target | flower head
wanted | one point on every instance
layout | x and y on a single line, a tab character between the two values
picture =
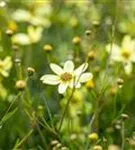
124	54
33	36
67	77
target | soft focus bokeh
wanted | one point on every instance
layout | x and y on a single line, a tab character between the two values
99	114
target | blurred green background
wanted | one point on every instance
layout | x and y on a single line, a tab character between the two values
37	33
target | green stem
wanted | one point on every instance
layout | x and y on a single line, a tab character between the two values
66	108
23	140
123	135
11	104
42	136
49	113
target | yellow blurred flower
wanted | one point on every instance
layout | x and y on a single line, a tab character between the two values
34	33
33	36
12	26
90	84
39	16
124	53
5	66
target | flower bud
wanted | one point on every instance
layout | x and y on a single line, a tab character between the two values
64	148
93	137
97	147
30	71
47	48
124	117
88	32
54	142
113	147
9	32
58	145
76	40
17	60
20	84
96	23
91	55
120	81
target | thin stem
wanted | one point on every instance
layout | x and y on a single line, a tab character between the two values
114	104
47	127
49	112
63	116
10	106
23	140
103	87
123	135
42	136
112	40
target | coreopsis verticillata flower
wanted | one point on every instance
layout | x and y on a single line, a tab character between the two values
68	76
39	16
33	36
124	54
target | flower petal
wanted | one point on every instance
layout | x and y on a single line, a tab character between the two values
81	69
21	38
69	66
56	69
128	68
85	77
114	51
126	42
50	79
62	88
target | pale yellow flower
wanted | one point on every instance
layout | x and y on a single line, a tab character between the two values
40	16
33	36
67	77
5	66
124	53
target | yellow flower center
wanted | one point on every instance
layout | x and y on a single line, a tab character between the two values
66	76
126	54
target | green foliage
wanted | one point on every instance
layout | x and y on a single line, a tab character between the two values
47	42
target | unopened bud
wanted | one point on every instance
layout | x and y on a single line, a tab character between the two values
30	71
58	145
64	148
120	81
93	137
76	40
113	147
47	48
17	60
20	84
91	55
9	32
124	117
97	147
96	23
88	32
54	142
